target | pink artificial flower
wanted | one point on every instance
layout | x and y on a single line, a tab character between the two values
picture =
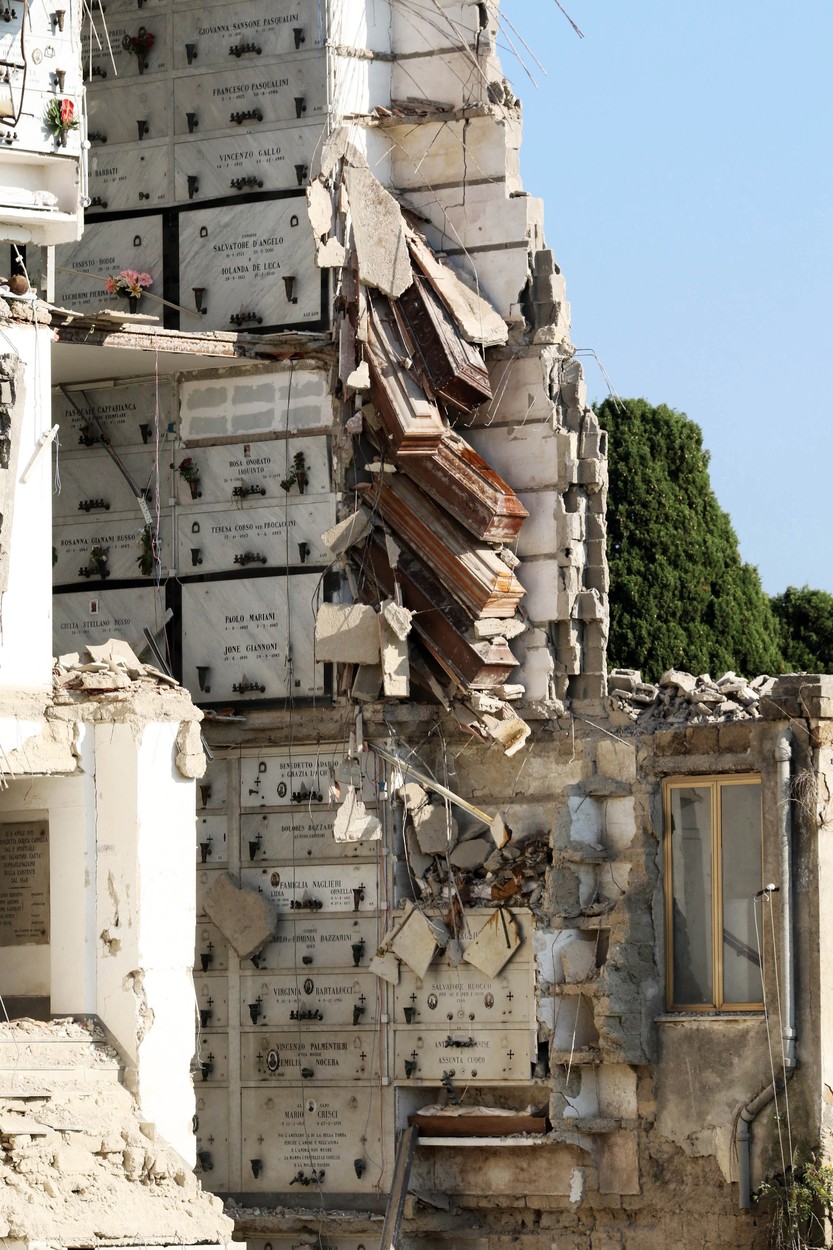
67	111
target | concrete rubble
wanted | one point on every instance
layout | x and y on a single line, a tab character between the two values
680	698
78	1164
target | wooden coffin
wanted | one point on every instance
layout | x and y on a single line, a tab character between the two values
466	486
478	321
474	574
439	623
412	422
450	367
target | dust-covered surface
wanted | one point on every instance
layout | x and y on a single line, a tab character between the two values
78	1166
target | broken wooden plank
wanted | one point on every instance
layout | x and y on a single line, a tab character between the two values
451	367
478	321
467	487
413	423
405	1148
474	574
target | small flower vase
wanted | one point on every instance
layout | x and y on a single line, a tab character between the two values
133	303
142	64
62	138
194	485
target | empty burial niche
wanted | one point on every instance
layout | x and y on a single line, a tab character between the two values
574	1027
583	955
575	1095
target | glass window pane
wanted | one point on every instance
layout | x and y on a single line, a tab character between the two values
691	875
740	827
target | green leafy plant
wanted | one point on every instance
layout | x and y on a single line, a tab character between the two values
146	559
800	1203
297	475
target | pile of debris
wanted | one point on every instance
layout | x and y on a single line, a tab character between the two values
110	669
429	595
78	1165
682	699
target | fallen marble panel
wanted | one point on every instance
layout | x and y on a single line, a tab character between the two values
237	633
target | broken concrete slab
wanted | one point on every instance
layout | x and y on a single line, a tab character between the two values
359	379
397	617
353	822
347	634
434	830
378	233
244	917
479	322
341	536
386	966
495	944
470	855
396	671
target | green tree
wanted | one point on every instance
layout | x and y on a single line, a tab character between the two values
805	619
680	596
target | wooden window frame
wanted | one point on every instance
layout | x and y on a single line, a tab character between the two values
715	782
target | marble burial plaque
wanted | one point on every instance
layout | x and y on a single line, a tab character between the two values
469	1053
280	157
244	256
326	889
80	617
321	1131
255	537
308	942
295	836
207	38
211	1062
211	839
212	788
237	634
256	467
106	248
78	545
317	1000
24	883
300	1058
290	90
211	992
304	778
126	412
211	949
128	177
456	997
91	478
211	1130
287	401
120	112
124	25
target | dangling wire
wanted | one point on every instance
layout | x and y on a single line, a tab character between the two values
766	896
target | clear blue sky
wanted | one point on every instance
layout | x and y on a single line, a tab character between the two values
683	151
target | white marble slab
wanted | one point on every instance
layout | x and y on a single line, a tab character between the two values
212	841
212	1131
274	1059
93	476
126	411
124	177
316	1000
211	949
320	1130
238	630
115	109
308	940
215	988
350	888
106	248
203	37
241	255
304	778
452	998
493	1055
279	156
122	539
298	1241
260	465
82	617
121	24
272	88
287	400
296	835
254	537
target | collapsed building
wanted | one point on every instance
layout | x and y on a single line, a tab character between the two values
489	944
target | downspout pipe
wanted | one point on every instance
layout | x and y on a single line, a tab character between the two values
783	757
